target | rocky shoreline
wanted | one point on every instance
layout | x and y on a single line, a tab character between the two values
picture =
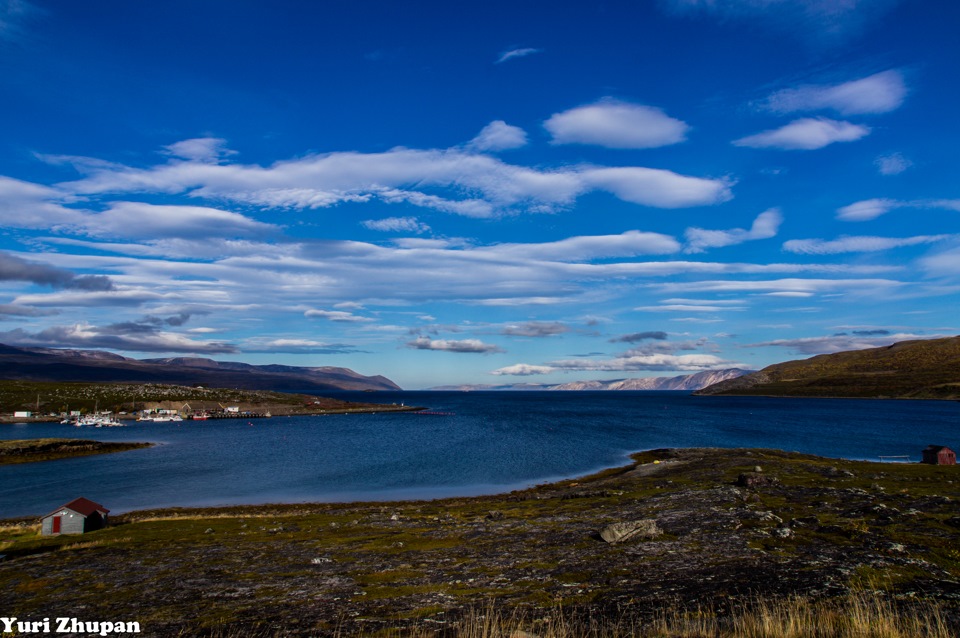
34	450
708	529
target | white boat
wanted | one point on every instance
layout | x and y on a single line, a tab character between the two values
165	418
97	421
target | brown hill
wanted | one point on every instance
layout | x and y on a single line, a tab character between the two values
47	364
925	369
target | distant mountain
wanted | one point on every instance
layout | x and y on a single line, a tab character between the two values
684	382
55	365
927	369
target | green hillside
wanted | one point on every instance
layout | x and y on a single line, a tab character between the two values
927	369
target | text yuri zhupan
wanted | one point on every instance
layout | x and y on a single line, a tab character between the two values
16	626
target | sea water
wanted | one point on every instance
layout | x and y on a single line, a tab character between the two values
483	442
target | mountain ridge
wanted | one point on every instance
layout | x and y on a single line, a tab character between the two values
917	369
683	382
51	364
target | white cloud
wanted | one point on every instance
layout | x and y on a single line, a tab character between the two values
397	225
33	206
499	136
892	164
201	149
764	226
589	247
805	134
140	220
946	262
523	370
340	316
658	188
516	53
866	210
473	184
872	208
464	345
615	124
839	343
878	93
857	244
659	361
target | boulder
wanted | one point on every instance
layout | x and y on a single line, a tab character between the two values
646	528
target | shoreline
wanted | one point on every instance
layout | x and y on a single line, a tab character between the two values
280	412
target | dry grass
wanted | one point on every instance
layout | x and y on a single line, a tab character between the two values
98	543
862	615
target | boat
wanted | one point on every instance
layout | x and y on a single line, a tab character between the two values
96	420
166	418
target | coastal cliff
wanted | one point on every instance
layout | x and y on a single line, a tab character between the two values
927	369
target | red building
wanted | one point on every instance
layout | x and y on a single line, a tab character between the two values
939	455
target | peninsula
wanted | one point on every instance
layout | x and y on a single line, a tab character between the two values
50	401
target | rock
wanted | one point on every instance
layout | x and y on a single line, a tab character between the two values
626	530
757	469
783	532
754	479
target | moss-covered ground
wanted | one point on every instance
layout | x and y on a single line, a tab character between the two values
801	527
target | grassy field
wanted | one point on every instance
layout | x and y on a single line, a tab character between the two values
805	546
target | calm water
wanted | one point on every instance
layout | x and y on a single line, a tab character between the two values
494	442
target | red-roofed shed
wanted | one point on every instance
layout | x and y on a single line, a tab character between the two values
939	455
76	517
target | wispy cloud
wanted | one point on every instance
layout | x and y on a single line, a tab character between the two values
200	149
513	54
295	346
868	209
805	134
395	176
339	316
131	336
862	244
815	21
878	93
838	343
764	226
646	362
616	124
14	15
892	164
397	225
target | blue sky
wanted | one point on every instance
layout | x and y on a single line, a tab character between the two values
479	192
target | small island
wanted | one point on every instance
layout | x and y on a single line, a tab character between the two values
33	450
